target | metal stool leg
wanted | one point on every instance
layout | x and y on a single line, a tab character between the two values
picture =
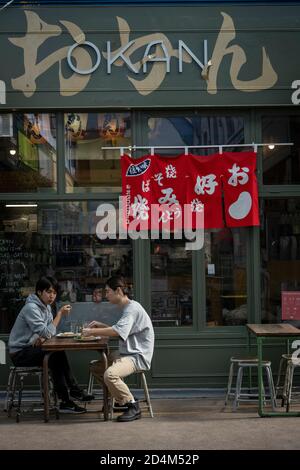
285	390
230	377
147	396
112	404
271	387
90	384
8	389
12	393
277	386
290	386
238	387
20	392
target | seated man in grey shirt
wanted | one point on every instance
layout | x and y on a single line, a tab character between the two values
32	327
136	343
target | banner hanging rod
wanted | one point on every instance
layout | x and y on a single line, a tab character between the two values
187	147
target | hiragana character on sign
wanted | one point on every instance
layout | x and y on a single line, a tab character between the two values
238	177
169	198
165	216
158	178
146	186
177	211
205	184
140	208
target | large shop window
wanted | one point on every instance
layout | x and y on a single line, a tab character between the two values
195	130
281	165
59	239
226	278
88	168
280	259
171	283
27	153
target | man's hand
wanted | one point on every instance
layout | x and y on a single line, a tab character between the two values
65	310
96	324
87	332
39	341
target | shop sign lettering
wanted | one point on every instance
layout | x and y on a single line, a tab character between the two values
85	57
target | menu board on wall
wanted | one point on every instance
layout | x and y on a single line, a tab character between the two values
290	304
14	260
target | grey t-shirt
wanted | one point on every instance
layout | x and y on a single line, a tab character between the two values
136	335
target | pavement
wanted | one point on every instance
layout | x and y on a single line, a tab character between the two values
182	421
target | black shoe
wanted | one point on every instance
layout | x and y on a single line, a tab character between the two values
133	412
69	407
119	407
81	395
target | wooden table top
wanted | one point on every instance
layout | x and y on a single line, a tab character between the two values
273	329
71	344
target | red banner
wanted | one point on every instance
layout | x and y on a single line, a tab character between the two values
136	176
155	191
240	189
171	192
204	189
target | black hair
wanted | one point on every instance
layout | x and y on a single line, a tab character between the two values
98	287
45	283
117	281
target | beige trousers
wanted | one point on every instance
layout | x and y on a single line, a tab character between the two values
118	368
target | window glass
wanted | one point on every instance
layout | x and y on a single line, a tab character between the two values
281	164
280	258
171	283
226	277
195	130
88	167
27	153
59	239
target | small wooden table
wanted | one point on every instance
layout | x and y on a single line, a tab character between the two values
69	344
267	331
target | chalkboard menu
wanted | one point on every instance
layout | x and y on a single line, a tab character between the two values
14	264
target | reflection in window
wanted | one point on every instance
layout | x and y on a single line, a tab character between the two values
281	164
27	152
171	283
88	168
226	277
57	239
280	254
196	130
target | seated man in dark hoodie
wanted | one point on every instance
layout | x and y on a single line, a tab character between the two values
32	327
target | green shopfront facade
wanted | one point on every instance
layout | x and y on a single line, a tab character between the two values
79	79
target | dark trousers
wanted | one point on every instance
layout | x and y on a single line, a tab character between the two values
58	364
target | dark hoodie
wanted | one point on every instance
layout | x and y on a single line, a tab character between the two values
34	320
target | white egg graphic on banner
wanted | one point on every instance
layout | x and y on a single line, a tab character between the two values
241	207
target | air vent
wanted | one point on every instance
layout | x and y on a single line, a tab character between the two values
6	125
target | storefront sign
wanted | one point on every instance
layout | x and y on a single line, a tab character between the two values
200	56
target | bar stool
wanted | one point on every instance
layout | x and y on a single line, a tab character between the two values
16	384
249	363
282	369
292	363
146	399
